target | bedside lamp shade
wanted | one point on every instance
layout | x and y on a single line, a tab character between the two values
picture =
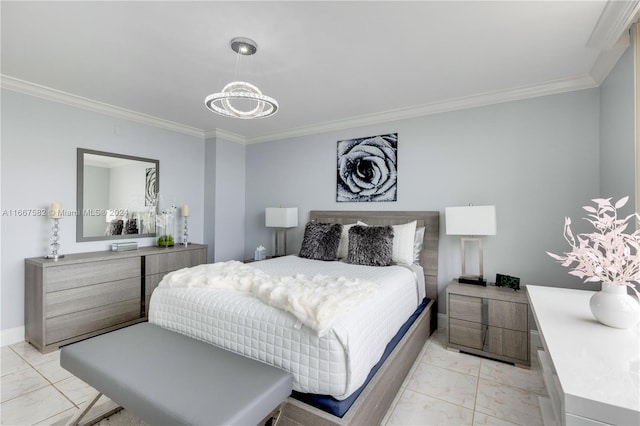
473	221
281	218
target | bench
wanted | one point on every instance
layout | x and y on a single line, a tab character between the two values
166	378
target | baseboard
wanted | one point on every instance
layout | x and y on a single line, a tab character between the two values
11	336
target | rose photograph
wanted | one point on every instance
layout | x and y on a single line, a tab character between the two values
367	169
150	187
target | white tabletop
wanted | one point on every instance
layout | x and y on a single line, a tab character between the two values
598	366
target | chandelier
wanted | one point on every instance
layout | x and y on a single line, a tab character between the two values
232	101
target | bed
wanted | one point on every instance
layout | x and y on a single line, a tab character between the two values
337	360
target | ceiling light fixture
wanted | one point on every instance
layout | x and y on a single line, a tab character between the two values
222	103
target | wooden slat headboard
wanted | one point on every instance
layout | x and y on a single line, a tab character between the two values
429	219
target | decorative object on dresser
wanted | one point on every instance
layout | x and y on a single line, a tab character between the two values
126	246
86	294
590	372
367	169
55	213
281	218
185	234
165	227
489	321
609	256
473	221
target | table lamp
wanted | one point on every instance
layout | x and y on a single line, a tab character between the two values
473	221
281	218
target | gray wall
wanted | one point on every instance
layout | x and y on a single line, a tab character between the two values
209	236
617	133
229	200
39	142
536	160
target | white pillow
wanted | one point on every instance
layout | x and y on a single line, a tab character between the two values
417	244
343	247
403	242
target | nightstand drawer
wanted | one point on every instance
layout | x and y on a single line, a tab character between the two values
465	308
466	333
511	343
511	315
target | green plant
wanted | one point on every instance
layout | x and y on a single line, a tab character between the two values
165	240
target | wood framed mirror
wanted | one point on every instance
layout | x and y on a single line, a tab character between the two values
117	196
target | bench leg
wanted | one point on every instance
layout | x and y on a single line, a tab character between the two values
84	409
273	417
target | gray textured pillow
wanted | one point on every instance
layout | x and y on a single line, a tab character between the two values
370	245
320	241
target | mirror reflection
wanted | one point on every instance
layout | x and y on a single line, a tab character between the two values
117	195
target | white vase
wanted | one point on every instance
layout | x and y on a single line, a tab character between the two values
612	306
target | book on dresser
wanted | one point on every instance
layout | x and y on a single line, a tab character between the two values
86	294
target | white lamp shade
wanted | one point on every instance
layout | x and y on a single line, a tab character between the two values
471	220
281	217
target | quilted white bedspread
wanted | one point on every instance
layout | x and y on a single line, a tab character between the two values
335	364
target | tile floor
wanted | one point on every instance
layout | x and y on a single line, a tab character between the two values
442	388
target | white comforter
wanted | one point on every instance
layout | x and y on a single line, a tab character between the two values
336	363
317	301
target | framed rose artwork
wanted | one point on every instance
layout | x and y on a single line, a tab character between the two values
150	190
367	169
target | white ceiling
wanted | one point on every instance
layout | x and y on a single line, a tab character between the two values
329	64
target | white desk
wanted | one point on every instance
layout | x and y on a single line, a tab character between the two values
592	372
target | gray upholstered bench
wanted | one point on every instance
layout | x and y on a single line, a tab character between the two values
166	378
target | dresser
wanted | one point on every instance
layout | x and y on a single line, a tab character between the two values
86	294
489	321
591	371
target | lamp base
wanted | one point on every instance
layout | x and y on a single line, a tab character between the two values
54	256
476	280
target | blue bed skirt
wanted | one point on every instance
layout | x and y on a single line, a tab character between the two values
340	407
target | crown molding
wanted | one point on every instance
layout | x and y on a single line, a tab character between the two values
607	59
32	89
550	88
615	20
223	134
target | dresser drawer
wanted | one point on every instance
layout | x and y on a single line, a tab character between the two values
79	275
552	386
466	308
72	325
150	283
173	260
466	333
165	262
92	296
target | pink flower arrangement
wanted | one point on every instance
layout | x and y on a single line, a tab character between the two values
608	254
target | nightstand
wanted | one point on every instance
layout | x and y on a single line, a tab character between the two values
489	321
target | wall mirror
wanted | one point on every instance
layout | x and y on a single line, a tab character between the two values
116	195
